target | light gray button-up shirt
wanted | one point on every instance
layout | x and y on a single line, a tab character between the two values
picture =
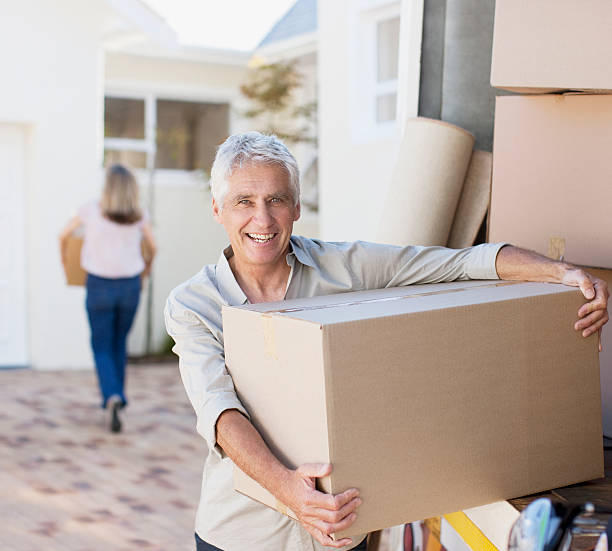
225	518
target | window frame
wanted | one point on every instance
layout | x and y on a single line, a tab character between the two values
364	88
148	145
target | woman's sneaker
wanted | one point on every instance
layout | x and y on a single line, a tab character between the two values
113	405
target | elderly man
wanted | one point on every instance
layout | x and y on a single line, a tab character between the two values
255	187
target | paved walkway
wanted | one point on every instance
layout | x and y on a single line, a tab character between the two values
67	484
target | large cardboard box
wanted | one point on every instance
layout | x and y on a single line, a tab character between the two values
552	176
429	399
547	45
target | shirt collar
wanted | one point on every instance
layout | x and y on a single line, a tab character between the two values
228	285
300	252
227	282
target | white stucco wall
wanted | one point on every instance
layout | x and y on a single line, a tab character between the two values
354	170
50	65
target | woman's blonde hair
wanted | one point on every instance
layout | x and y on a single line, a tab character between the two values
119	201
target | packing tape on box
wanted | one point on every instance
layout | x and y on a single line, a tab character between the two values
556	248
269	336
268	332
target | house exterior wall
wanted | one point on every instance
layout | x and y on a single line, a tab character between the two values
355	167
51	84
174	78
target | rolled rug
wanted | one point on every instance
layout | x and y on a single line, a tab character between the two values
474	201
426	184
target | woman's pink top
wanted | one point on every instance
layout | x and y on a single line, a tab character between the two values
110	249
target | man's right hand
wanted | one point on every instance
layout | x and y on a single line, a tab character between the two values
320	514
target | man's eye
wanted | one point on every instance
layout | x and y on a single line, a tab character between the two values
276	200
244	202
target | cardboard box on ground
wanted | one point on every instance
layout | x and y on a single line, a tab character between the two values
547	45
552	176
429	399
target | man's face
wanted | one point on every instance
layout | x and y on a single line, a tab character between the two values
258	214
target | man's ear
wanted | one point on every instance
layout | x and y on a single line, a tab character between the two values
298	211
216	211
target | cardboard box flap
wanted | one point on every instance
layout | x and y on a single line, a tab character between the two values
360	305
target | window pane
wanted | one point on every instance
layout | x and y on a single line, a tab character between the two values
385	107
133	159
124	118
188	133
387	38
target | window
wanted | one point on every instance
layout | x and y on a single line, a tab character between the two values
124	118
387	53
168	134
374	68
188	133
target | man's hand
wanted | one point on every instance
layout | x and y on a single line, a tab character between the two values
320	514
513	263
594	314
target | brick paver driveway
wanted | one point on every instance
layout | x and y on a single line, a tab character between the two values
68	484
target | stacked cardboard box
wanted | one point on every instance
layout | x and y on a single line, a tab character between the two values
552	167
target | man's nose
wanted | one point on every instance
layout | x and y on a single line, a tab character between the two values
263	215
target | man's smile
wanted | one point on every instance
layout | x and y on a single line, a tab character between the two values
262	237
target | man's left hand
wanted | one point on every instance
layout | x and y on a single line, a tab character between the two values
593	314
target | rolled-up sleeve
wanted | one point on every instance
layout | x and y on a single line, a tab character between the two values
192	321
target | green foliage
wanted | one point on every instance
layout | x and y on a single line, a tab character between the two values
271	91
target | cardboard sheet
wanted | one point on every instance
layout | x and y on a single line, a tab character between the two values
547	45
552	176
424	192
474	201
437	400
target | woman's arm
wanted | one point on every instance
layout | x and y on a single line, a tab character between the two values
149	240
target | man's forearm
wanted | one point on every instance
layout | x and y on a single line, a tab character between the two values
513	263
244	445
320	514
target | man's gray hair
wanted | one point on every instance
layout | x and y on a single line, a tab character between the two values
254	148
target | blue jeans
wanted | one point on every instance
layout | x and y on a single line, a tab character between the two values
111	307
201	545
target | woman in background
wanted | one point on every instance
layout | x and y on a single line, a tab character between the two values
114	228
